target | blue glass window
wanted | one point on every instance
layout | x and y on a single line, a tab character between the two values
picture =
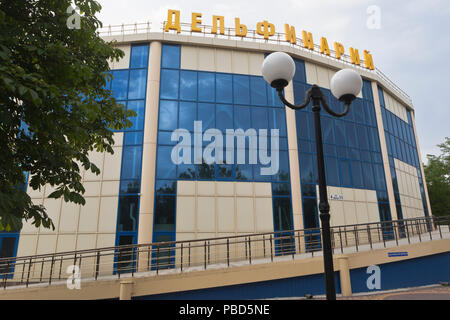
119	84
188	85
224	88
357	174
187	115
207	114
170	56
277	120
346	180
165	213
133	138
139	56
310	213
259	118
224	116
131	162
168	111
258	91
306	168
138	121
206	87
282	214
332	171
351	136
166	169
128	213
241	89
169	84
242	117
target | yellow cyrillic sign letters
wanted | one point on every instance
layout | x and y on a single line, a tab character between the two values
267	30
173	25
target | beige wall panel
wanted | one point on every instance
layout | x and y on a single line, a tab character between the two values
206	59
206	214
255	63
350	213
86	241
206	188
245	215
53	207
106	240
96	158
92	189
186	188
66	242
110	188
225	214
337	213
27	245
123	63
322	77
108	214
189	58
244	189
264	215
263	189
185	214
223	61
89	215
240	62
46	243
111	171
362	215
69	217
225	188
311	73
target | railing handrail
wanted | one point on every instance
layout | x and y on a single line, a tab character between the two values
251	235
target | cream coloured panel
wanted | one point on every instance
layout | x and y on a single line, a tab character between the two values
89	215
322	77
185	214
255	63
244	189
311	73
92	189
245	215
108	214
350	213
123	63
263	189
189	58
362	215
186	188
206	214
46	244
110	188
225	188
225	214
69	217
96	158
223	61
239	62
111	171
206	188
106	240
53	207
66	243
206	59
86	241
27	245
264	215
337	217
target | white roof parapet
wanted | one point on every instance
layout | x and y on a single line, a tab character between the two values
142	32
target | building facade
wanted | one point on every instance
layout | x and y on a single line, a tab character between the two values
167	184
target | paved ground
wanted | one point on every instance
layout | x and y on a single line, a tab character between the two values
438	292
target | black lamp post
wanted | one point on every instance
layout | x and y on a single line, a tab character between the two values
278	70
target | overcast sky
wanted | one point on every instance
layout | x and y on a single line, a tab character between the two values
412	45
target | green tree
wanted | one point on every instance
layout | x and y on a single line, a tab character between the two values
54	109
437	173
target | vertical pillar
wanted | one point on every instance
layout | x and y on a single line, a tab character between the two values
384	153
344	276
294	164
126	289
149	152
420	161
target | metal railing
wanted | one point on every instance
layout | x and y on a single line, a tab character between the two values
278	38
184	256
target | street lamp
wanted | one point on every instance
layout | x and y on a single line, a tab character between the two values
278	69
